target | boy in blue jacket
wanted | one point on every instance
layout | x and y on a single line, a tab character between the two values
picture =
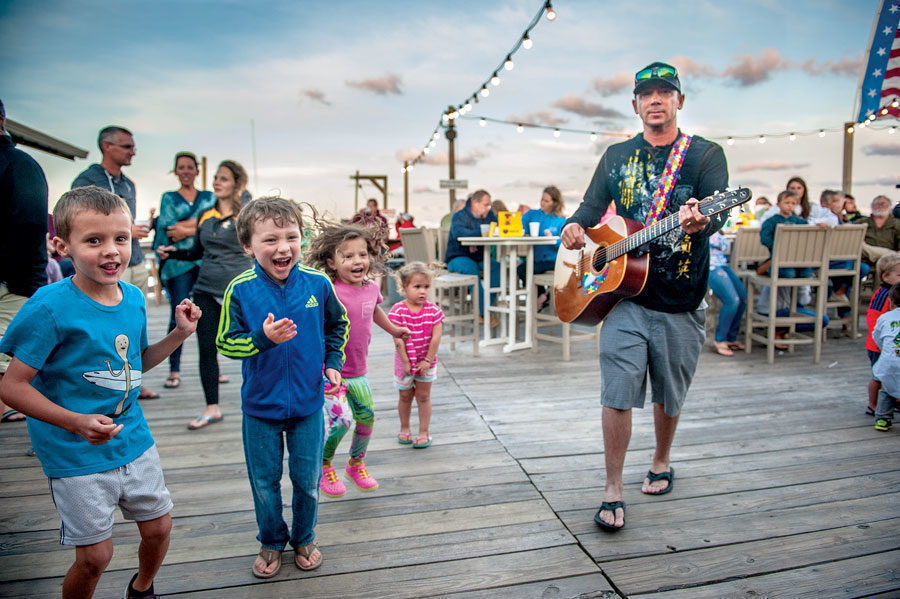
282	392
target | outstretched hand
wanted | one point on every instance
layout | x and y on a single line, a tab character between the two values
187	313
97	429
279	331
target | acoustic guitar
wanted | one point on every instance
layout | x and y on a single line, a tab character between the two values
589	282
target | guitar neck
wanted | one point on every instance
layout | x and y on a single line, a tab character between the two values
644	236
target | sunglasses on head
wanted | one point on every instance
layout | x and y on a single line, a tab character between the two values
663	72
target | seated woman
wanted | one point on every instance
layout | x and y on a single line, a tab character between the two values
467	222
726	286
551	220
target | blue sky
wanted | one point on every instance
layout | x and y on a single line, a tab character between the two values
335	87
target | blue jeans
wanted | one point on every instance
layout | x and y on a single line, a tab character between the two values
727	286
803	327
795	273
466	266
178	288
264	442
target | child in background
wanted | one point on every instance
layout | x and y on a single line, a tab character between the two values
415	362
282	392
887	270
787	202
351	257
78	349
887	368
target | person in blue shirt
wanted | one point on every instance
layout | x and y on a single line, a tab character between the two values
468	260
179	212
551	220
786	203
283	360
79	348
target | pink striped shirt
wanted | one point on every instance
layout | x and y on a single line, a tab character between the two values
420	325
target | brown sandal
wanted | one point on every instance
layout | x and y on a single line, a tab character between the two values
305	551
270	556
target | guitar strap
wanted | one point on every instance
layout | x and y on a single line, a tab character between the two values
667	181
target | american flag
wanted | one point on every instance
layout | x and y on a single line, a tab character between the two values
880	88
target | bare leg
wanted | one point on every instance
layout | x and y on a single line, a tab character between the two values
616	436
874	387
404	408
154	545
90	563
423	403
665	426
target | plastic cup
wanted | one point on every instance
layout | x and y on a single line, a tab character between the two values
534	229
485	230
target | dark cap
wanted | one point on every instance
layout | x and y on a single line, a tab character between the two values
657	72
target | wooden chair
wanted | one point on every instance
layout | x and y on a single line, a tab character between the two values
567	335
845	244
746	251
455	293
796	246
443	236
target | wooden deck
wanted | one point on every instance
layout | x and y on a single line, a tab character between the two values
784	489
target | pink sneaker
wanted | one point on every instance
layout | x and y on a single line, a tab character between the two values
360	476
330	484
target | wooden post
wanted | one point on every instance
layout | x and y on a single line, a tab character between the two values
203	171
847	171
356	193
405	186
451	154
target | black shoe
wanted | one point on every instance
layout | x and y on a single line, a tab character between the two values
130	593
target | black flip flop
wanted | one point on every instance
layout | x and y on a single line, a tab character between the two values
667	476
610	506
8	416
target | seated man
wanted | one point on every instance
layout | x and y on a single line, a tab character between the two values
883	234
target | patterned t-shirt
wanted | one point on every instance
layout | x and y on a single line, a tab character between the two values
628	174
420	325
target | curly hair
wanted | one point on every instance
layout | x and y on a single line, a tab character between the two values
331	236
406	272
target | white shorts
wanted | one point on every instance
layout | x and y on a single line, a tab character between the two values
409	381
86	503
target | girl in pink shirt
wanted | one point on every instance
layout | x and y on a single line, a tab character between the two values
416	359
352	257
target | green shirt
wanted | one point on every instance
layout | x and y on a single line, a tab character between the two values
888	236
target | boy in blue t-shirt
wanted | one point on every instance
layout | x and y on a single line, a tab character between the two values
787	202
78	349
287	324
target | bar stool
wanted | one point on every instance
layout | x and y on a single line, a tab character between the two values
567	335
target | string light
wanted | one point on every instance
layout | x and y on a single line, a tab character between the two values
551	14
792	136
762	139
892	130
730	141
520	128
895	103
556	133
821	132
850	130
482	123
524	41
593	137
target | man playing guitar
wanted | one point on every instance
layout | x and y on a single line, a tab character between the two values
660	331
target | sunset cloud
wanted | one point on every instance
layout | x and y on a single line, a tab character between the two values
882	149
538	117
772	165
315	95
389	84
441	158
580	106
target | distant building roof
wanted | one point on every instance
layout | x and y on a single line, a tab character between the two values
33	138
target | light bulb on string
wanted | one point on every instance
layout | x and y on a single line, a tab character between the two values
520	128
508	63
485	92
453	115
593	137
730	141
526	42
792	136
445	117
426	150
436	135
556	133
884	111
482	123
551	14
871	117
762	139
821	132
895	103
892	130
468	106
850	130
862	125
495	80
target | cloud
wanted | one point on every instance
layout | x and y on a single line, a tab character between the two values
882	149
389	84
844	66
888	180
772	165
315	95
578	105
538	117
615	84
749	69
521	183
690	67
441	158
426	189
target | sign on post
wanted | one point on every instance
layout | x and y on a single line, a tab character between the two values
454	183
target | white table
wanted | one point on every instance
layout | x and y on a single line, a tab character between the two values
508	291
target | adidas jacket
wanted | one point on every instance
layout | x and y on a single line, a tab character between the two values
285	380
